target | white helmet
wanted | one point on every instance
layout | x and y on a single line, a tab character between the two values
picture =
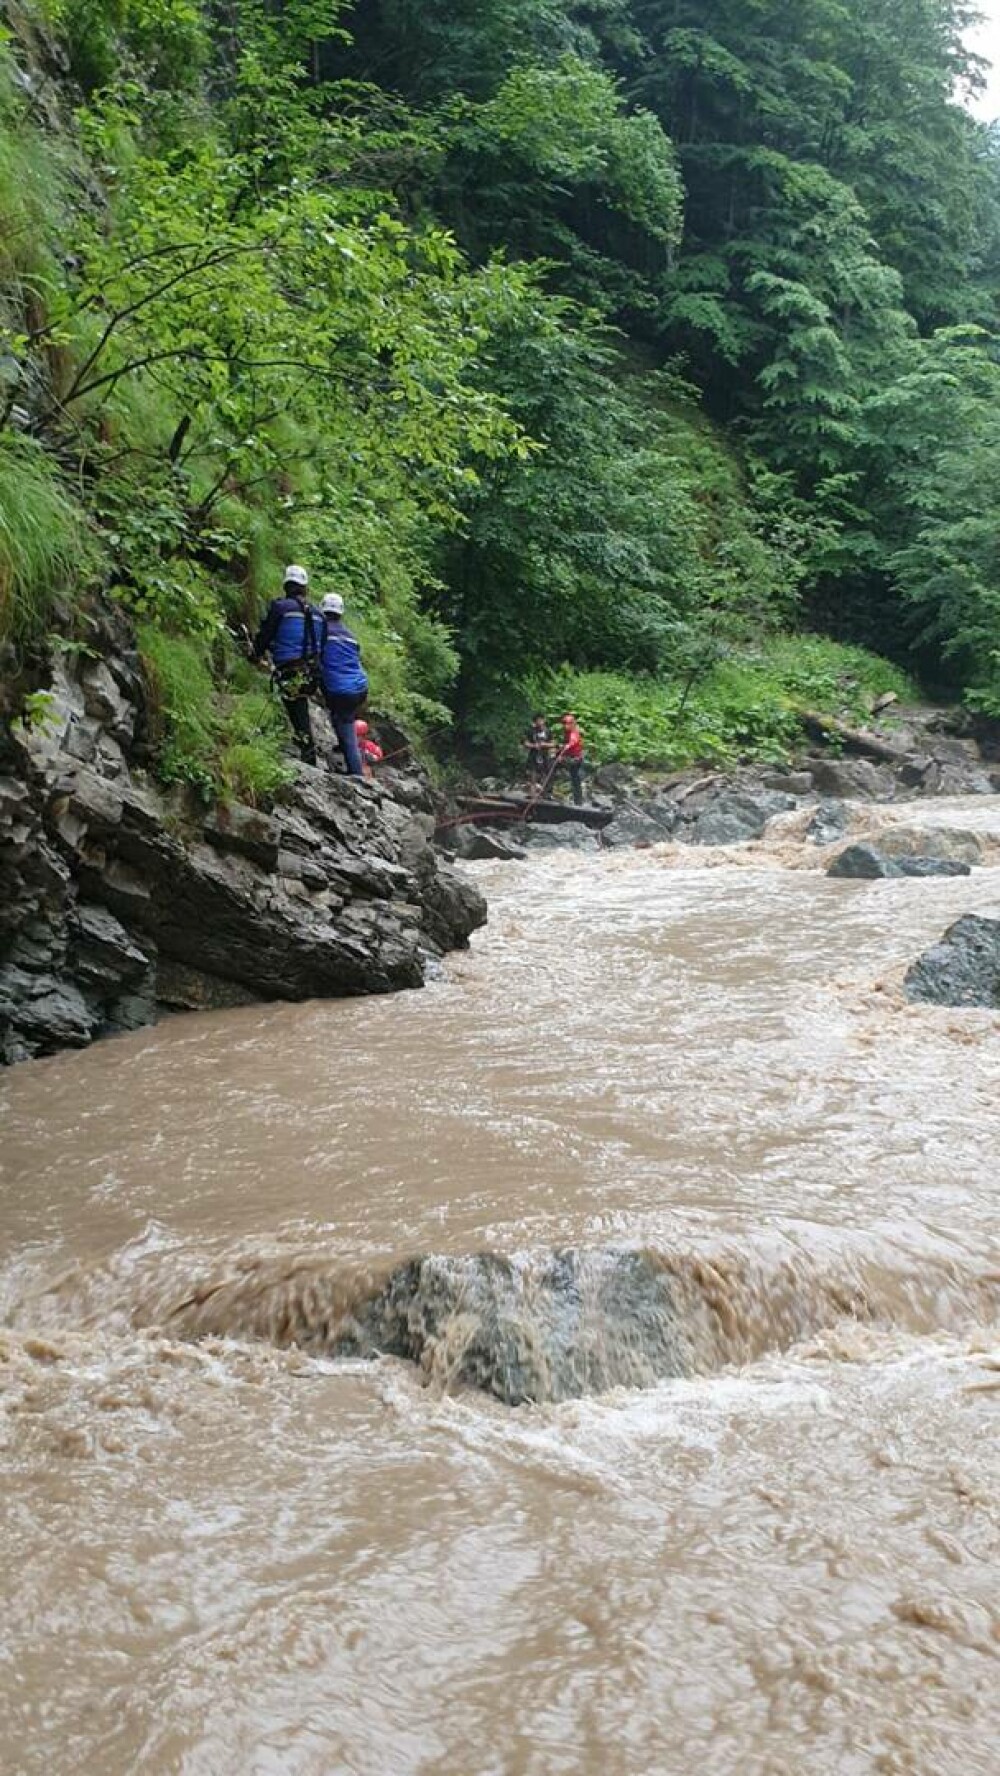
296	576
332	605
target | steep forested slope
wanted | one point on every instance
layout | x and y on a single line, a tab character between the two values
563	338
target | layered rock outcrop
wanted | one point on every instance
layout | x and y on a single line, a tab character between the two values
119	899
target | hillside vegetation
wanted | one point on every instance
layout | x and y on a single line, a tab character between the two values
595	351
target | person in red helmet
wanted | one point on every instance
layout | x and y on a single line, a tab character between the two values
571	755
371	752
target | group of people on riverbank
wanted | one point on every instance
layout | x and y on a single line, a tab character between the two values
549	754
311	649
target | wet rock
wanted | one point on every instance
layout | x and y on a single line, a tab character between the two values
852	779
233	827
407	788
861	863
868	863
453	908
963	969
133	1011
117	898
793	783
179	988
736	816
953	843
577	1323
613	778
651	824
40	1011
829	823
967	778
483	846
570	837
930	866
102	953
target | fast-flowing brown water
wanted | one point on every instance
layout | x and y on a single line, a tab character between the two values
224	1555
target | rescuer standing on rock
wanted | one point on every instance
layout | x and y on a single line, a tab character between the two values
292	633
538	745
344	679
571	755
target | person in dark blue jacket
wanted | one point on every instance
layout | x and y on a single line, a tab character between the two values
293	633
344	679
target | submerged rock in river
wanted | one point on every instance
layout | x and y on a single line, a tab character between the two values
869	863
581	1323
963	969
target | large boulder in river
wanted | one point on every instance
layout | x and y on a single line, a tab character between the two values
793	783
852	779
829	823
867	863
736	816
651	824
954	844
573	836
577	1323
482	847
963	969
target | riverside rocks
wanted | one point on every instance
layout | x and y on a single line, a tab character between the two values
963	969
954	844
867	863
118	898
919	757
736	816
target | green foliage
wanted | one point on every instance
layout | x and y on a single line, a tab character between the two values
227	742
567	125
167	39
401	289
252	765
183	703
747	705
45	553
935	446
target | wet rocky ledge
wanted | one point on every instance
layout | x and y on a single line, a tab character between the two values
120	900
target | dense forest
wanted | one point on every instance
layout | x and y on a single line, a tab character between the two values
638	353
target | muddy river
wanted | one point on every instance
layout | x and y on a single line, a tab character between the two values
229	1551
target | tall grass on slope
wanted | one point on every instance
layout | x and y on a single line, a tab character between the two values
45	552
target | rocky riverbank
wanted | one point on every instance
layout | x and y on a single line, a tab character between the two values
120	900
907	756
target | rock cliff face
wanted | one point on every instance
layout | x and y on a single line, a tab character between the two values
119	900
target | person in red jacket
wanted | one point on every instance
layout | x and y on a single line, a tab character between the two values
371	752
571	755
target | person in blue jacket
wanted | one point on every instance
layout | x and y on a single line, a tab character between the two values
293	633
344	679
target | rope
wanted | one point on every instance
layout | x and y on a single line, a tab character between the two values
523	813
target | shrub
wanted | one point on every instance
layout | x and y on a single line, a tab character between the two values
231	744
253	765
748	705
45	548
182	697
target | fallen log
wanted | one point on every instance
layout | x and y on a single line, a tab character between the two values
853	740
482	810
